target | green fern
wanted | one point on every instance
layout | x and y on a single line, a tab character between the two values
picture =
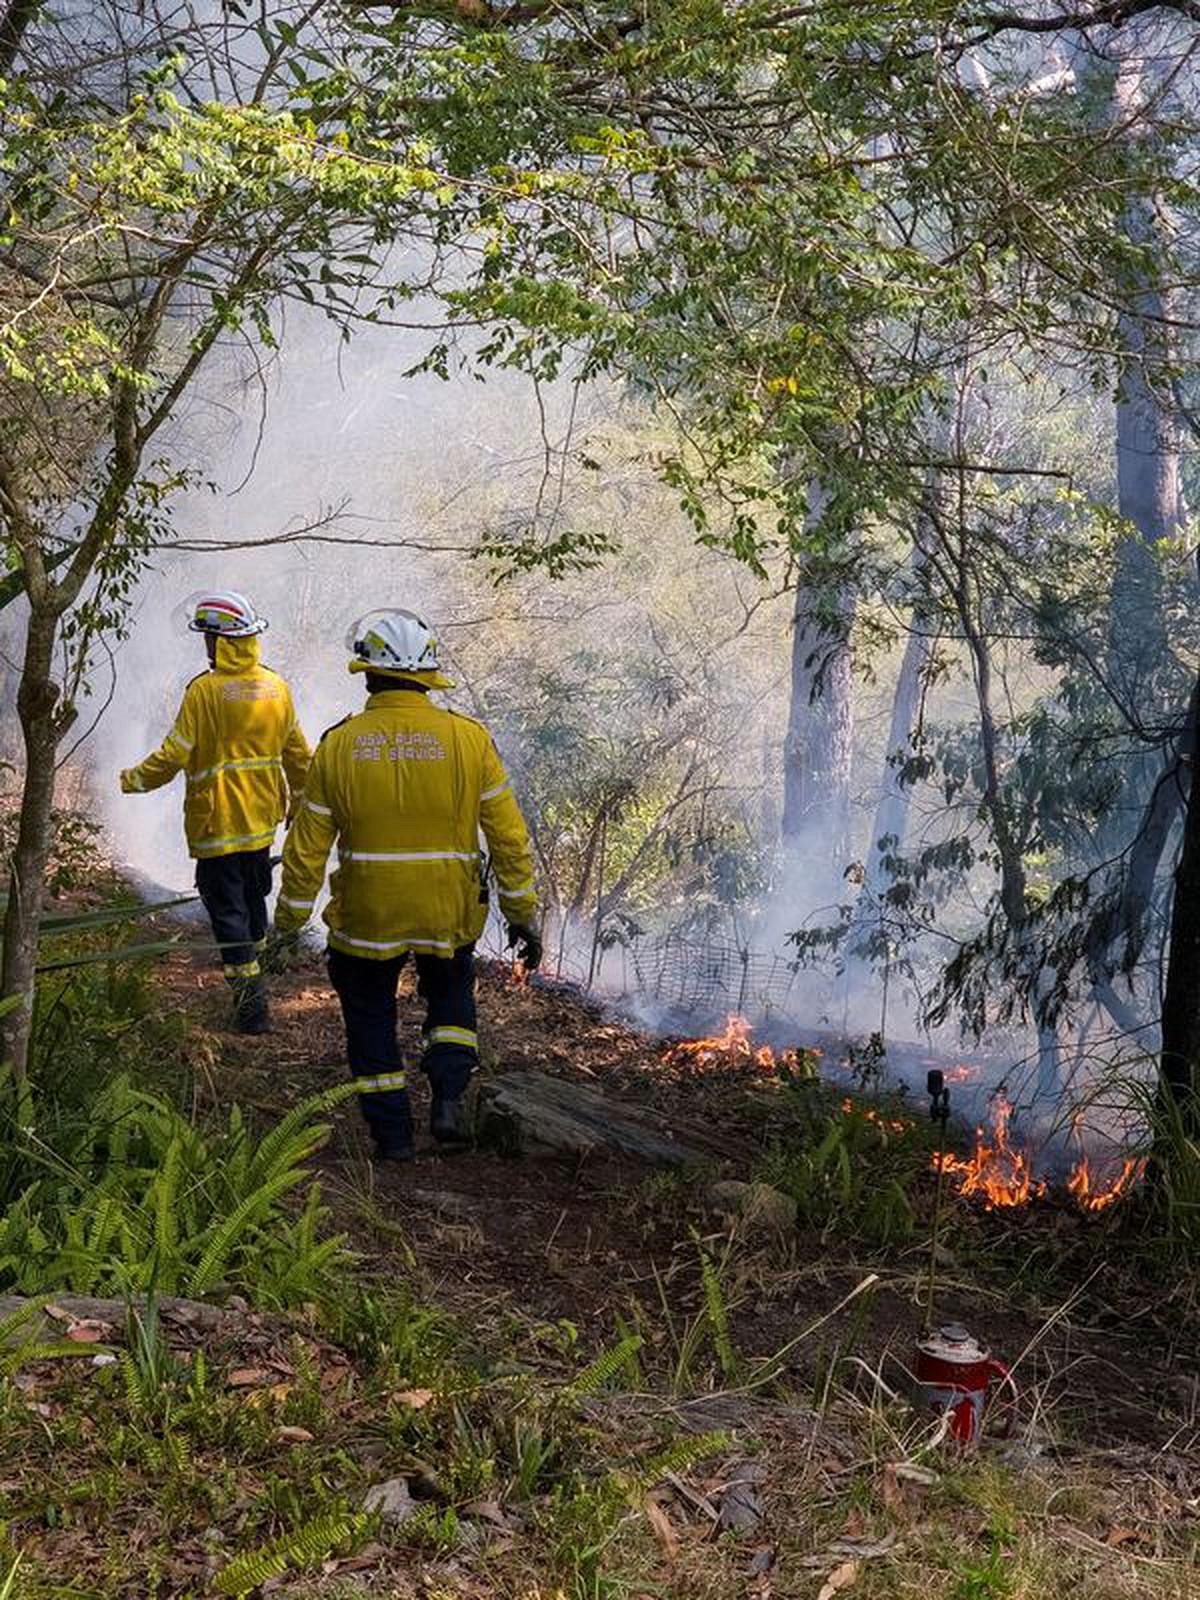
303	1547
136	1392
166	1194
681	1456
21	1318
634	1376
605	1368
296	1135
717	1314
227	1235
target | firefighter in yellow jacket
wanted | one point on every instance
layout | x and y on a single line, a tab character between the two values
404	789
238	742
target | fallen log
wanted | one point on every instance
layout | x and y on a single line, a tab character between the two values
60	1311
520	1110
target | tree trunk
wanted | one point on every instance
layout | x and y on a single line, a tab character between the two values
1181	1004
1149	495
14	24
895	797
41	731
818	745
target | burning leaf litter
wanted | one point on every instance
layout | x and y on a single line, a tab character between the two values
853	1108
996	1172
1000	1174
733	1050
1080	1184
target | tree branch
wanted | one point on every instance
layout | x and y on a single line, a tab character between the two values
13	27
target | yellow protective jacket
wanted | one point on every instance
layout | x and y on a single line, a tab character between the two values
237	739
404	788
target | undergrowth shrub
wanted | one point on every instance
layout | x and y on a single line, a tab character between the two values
1172	1181
850	1165
107	1186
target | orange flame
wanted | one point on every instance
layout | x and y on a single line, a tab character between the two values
732	1049
520	973
888	1124
962	1073
996	1172
1000	1175
1089	1199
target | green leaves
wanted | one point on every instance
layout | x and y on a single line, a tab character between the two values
169	1206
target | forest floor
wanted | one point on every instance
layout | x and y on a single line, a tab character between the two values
780	1353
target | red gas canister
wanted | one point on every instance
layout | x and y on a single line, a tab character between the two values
954	1374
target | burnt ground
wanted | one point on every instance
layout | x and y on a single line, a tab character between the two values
574	1250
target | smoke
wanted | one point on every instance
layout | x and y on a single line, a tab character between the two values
332	435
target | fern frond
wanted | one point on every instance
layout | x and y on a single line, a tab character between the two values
20	1319
225	1238
605	1367
717	1314
135	1387
299	1121
305	1546
166	1192
681	1456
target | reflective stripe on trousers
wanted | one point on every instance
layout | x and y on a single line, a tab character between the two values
382	1083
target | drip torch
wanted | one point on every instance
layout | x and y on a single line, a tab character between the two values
954	1372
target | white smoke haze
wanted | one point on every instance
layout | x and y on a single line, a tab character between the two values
335	430
335	434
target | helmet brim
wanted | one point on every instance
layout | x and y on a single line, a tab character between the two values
260	625
427	680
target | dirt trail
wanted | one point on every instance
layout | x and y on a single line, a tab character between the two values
546	1239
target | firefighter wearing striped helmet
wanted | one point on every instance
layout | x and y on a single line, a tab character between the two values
405	789
238	743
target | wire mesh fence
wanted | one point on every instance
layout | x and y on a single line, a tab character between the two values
712	975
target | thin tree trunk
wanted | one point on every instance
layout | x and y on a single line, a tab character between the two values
1013	878
1181	1004
895	797
41	731
14	24
1149	495
818	744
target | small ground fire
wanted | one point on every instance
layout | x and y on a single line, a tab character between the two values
996	1172
1089	1199
733	1049
1000	1174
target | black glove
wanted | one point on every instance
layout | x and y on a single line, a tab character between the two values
528	945
279	951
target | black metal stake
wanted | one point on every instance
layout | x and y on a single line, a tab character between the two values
939	1111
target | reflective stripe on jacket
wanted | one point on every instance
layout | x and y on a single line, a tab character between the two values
238	742
404	789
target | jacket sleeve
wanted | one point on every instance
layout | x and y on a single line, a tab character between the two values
508	840
170	757
305	851
296	755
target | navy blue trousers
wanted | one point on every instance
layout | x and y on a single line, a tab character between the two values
234	890
367	992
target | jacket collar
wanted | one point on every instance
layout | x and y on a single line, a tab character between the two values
237	656
399	696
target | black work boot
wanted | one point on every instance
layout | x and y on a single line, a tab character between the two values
448	1122
398	1153
250	1011
391	1126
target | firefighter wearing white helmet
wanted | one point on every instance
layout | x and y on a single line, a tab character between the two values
239	744
404	790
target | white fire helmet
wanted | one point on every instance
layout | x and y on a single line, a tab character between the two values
224	612
397	644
